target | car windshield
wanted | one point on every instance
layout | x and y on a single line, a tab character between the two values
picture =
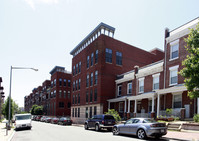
24	117
149	121
108	117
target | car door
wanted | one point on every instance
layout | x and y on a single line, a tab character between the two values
133	126
125	128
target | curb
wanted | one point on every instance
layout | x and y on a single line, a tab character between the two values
10	138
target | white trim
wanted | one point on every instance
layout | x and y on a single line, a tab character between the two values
173	58
156	75
174	67
174	89
118	90
128	88
120	106
140	79
173	100
174	42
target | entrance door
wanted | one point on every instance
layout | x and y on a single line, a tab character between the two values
187	111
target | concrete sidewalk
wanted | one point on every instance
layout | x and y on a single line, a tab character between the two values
3	136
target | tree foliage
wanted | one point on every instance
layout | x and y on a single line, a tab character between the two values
36	110
191	64
114	114
5	108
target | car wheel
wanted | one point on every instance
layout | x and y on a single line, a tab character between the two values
97	127
141	134
115	131
86	126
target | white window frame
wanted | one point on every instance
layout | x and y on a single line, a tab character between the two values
128	88
172	44
121	103
156	76
118	90
174	68
140	80
173	100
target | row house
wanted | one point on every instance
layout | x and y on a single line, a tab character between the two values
148	91
1	97
54	95
96	62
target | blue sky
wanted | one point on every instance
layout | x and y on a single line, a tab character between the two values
41	33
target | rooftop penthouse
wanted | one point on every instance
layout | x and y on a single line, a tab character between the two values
102	28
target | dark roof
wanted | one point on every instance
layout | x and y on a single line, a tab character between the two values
55	69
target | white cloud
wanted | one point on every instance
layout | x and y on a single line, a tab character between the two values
32	3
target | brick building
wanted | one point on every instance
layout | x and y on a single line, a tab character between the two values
97	60
1	97
150	90
54	95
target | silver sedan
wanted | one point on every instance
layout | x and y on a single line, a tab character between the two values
141	127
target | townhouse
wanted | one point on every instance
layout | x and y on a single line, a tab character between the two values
96	62
54	95
148	91
1	97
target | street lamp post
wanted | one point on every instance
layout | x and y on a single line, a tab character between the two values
11	68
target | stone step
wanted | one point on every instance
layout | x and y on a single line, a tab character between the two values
174	126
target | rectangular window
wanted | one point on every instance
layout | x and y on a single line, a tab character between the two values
87	97
118	58
51	84
119	92
156	82
95	95
141	85
68	83
64	94
174	49
79	67
91	79
60	82
73	70
177	101
87	80
96	56
173	75
73	99
68	94
54	93
76	70
69	105
61	104
64	82
91	96
79	84
90	115
78	98
60	93
129	89
78	112
73	112
86	112
87	64
121	107
76	85
96	77
73	86
92	55
54	82
108	55
95	110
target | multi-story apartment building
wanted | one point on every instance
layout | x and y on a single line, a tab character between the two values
1	97
97	60
150	90
54	95
60	92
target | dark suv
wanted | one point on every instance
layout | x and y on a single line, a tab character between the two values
99	122
64	121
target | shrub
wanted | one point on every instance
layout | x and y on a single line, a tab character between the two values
196	118
169	112
114	114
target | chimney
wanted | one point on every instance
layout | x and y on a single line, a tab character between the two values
136	69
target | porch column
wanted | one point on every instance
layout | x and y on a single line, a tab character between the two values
108	105
129	105
125	106
158	106
153	104
198	106
135	108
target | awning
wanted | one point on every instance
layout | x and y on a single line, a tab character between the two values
142	96
118	99
174	89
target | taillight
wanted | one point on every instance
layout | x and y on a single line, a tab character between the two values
64	120
157	125
102	122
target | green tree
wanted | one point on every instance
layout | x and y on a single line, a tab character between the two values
38	110
114	114
5	109
32	111
191	64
